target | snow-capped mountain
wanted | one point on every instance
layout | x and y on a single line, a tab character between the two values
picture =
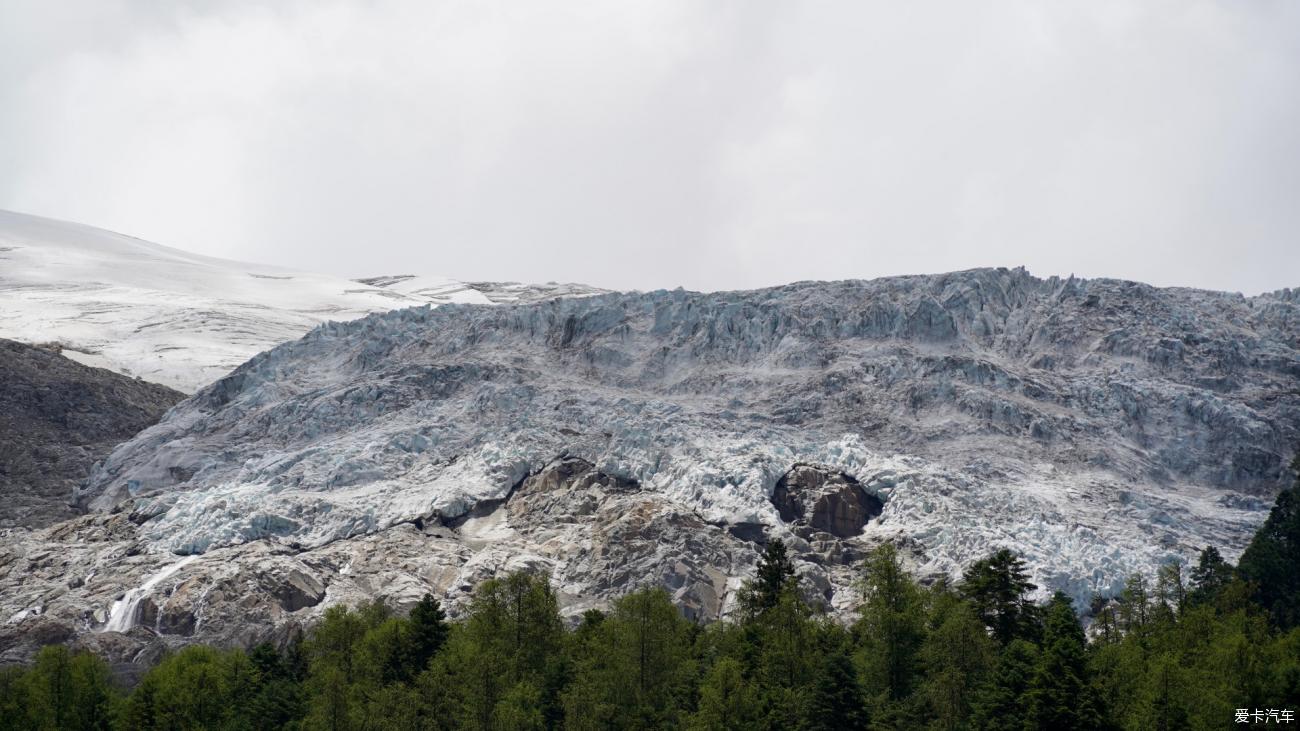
165	315
1099	427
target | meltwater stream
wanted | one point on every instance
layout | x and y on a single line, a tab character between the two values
122	615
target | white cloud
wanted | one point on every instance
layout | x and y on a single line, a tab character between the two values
712	145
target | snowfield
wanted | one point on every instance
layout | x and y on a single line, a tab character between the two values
165	315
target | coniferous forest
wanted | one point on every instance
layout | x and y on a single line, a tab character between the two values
1186	650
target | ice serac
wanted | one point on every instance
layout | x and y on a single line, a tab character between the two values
1099	427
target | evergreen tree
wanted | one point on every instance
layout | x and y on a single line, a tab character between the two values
775	576
1000	702
1271	563
278	698
69	691
510	665
781	637
836	702
1210	576
512	635
957	654
1161	706
999	587
1171	594
14	701
891	626
636	670
383	654
428	634
1135	604
197	687
1060	697
727	702
1105	619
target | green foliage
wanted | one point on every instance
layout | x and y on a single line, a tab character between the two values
1271	563
891	627
836	701
428	634
1210	577
775	578
1000	701
1060	697
63	691
196	688
511	638
728	702
999	588
957	655
635	670
1165	655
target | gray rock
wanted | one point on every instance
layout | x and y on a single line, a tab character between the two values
57	418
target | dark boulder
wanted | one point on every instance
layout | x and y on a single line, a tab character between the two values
824	500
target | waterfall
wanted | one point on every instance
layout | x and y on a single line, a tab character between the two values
122	615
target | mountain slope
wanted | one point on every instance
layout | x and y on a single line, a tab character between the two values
1099	427
57	418
165	315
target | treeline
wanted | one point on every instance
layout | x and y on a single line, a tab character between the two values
1182	652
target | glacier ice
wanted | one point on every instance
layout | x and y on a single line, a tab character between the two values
986	408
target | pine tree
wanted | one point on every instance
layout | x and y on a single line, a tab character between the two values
1210	577
512	635
891	626
957	654
1135	604
1171	594
727	702
1271	563
999	587
634	671
428	634
1000	702
836	702
1060	697
775	576
14	700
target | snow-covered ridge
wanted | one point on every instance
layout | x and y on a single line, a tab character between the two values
439	290
1098	426
165	315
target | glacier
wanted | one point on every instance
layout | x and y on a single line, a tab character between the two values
1098	427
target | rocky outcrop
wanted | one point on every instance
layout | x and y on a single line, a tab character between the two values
57	418
817	500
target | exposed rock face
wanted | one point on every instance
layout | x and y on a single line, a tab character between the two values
1098	427
813	499
57	418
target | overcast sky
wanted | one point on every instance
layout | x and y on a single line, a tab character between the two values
711	145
